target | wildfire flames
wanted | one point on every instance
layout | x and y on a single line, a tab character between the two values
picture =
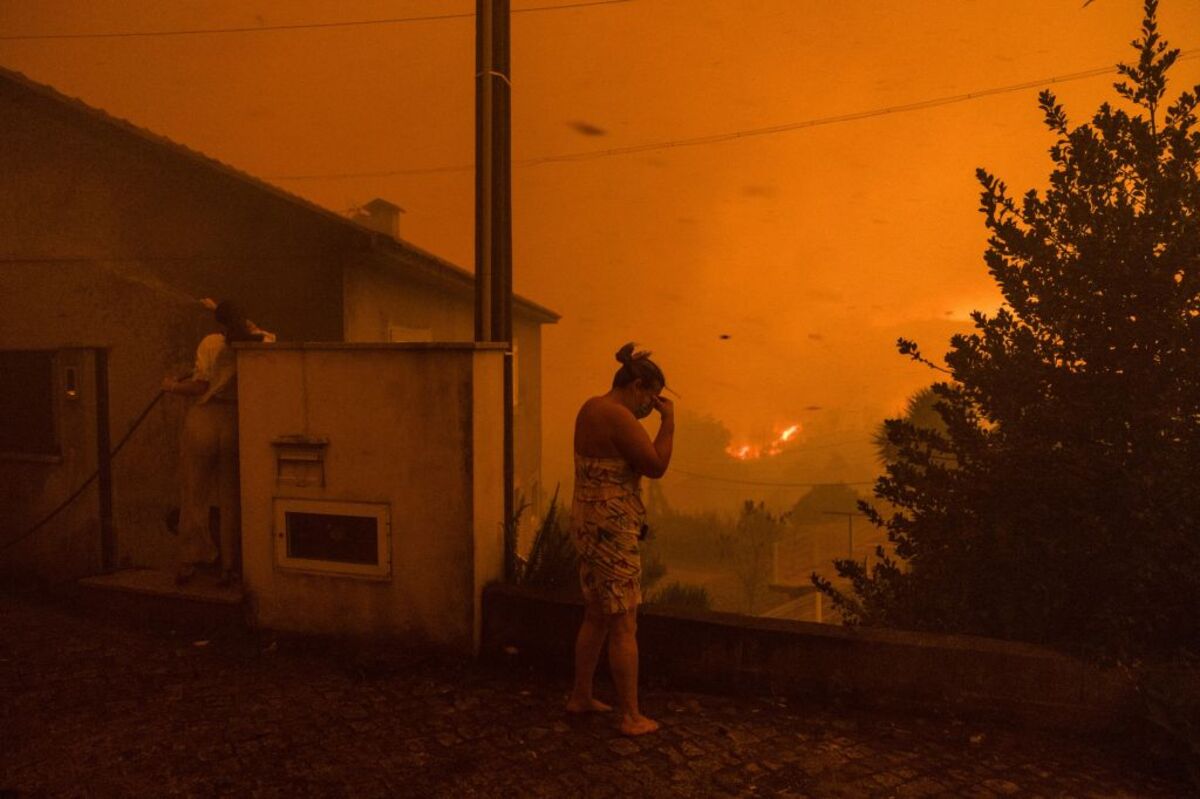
747	452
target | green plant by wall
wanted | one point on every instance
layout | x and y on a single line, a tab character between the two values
552	563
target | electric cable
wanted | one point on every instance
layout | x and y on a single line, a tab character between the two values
716	138
769	484
24	37
79	491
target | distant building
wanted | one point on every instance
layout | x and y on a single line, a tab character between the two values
108	235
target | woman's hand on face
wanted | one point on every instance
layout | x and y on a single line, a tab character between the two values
664	406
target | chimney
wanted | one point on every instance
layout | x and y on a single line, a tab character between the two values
380	215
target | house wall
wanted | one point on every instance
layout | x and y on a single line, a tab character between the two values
107	239
30	488
377	296
414	427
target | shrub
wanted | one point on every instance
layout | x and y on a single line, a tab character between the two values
682	595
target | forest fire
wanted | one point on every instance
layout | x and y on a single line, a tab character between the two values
748	452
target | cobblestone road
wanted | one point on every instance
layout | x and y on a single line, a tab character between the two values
88	709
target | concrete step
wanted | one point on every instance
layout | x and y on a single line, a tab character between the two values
151	595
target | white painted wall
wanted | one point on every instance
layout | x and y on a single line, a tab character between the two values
415	426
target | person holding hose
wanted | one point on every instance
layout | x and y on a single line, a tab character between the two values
208	448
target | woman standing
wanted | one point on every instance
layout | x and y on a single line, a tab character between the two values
208	452
612	454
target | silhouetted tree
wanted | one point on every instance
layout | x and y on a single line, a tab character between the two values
919	411
1061	503
682	595
749	550
689	538
701	439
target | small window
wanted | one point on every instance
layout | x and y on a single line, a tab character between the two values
347	538
332	536
27	424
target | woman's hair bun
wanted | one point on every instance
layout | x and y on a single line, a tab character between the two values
636	365
628	354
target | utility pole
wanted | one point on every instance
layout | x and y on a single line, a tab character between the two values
108	539
849	528
493	216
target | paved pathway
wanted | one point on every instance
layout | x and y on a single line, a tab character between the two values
93	710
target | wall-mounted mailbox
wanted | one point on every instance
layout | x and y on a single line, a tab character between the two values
300	460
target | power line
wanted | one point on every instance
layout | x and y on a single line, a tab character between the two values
293	27
716	138
715	479
134	259
828	445
800	449
5	546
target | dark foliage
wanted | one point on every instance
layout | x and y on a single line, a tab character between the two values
552	562
1060	503
919	411
749	550
682	595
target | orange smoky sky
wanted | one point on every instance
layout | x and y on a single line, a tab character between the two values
770	274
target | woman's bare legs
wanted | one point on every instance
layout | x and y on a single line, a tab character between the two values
623	663
199	458
588	644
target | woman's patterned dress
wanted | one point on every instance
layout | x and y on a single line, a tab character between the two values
606	517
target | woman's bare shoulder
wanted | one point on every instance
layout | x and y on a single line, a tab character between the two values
591	407
594	428
600	409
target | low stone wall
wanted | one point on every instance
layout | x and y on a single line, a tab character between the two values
722	652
